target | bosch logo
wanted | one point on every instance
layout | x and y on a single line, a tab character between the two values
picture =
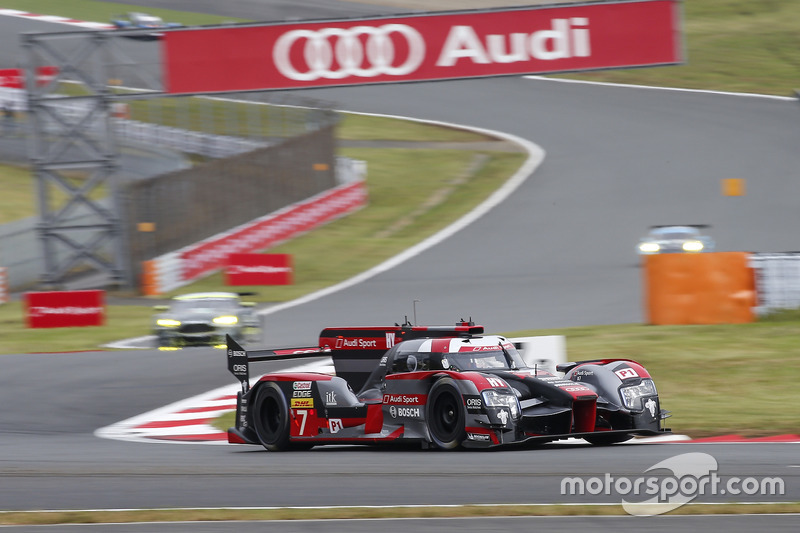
337	53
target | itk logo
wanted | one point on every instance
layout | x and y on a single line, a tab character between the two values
330	398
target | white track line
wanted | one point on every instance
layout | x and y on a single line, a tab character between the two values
56	19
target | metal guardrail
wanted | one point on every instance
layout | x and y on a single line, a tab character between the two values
182	140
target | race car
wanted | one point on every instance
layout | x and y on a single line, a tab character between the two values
675	239
204	319
442	387
142	21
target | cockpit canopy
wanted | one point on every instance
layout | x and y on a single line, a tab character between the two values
464	354
475	354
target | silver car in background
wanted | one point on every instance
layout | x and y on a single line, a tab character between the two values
204	318
675	239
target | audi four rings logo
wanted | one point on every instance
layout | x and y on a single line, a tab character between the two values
336	53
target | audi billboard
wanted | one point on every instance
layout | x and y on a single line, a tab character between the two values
420	47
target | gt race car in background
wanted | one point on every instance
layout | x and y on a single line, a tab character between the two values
204	319
442	387
675	239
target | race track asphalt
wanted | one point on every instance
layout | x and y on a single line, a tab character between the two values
558	252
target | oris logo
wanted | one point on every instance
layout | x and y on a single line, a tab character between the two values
337	53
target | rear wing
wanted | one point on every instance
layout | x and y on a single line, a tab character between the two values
239	359
356	351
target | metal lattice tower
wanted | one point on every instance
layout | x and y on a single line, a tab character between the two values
73	152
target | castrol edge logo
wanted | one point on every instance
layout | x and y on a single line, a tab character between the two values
368	51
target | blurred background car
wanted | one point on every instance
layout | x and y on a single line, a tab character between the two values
142	21
675	239
204	318
136	20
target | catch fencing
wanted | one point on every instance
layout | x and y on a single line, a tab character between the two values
200	166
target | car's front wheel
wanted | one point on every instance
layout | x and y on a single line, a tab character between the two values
271	418
446	415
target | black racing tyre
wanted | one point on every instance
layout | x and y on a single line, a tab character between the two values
607	440
271	418
446	415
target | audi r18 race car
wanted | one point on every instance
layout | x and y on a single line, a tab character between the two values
443	387
204	319
675	239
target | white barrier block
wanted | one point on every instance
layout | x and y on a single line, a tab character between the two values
543	352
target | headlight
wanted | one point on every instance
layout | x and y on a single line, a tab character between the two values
692	246
493	398
226	320
168	323
632	395
649	247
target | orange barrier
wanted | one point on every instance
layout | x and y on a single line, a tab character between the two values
705	288
150	285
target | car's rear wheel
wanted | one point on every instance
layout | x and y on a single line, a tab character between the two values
446	415
271	418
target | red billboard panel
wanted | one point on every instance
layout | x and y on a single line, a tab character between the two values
259	269
62	309
465	44
14	78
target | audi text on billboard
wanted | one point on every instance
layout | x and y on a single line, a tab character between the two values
465	44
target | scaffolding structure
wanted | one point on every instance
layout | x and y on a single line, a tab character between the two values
93	95
72	149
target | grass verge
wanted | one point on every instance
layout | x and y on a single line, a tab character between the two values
399	512
731	45
397	179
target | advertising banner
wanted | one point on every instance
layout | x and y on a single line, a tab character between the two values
14	78
63	309
212	254
259	269
431	46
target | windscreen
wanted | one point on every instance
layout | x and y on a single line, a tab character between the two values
507	359
222	304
